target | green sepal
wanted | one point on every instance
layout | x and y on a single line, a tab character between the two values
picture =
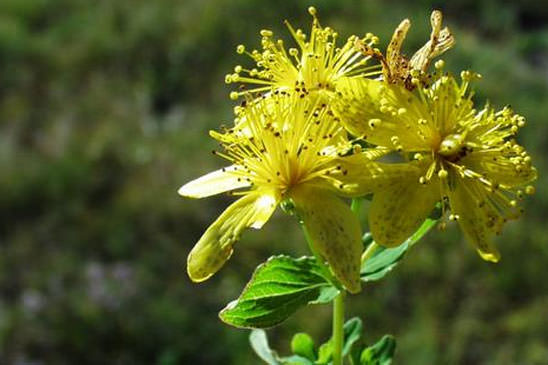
277	289
384	259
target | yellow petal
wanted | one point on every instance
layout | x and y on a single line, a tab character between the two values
215	246
400	208
215	182
478	223
334	230
357	175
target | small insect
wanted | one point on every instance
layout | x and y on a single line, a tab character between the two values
397	69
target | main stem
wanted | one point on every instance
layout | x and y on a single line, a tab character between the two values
338	328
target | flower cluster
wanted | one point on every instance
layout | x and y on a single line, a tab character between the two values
313	125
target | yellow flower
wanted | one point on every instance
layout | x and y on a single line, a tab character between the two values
285	152
316	65
398	69
467	159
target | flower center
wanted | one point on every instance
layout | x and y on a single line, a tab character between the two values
294	173
452	147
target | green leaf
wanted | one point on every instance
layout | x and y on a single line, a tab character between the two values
303	345
259	343
352	333
380	353
384	259
277	289
327	294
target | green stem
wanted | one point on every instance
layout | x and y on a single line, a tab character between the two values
369	251
356	206
338	328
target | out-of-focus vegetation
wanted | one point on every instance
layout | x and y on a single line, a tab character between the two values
104	112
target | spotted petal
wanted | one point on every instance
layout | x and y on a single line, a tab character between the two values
396	62
478	222
215	182
357	175
499	168
215	246
383	114
334	230
399	209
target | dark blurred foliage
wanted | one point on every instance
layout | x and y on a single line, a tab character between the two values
104	112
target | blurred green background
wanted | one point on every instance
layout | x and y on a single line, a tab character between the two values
104	111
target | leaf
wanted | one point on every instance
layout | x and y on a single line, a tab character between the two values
296	360
277	289
352	333
303	345
327	294
380	353
259	343
384	259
